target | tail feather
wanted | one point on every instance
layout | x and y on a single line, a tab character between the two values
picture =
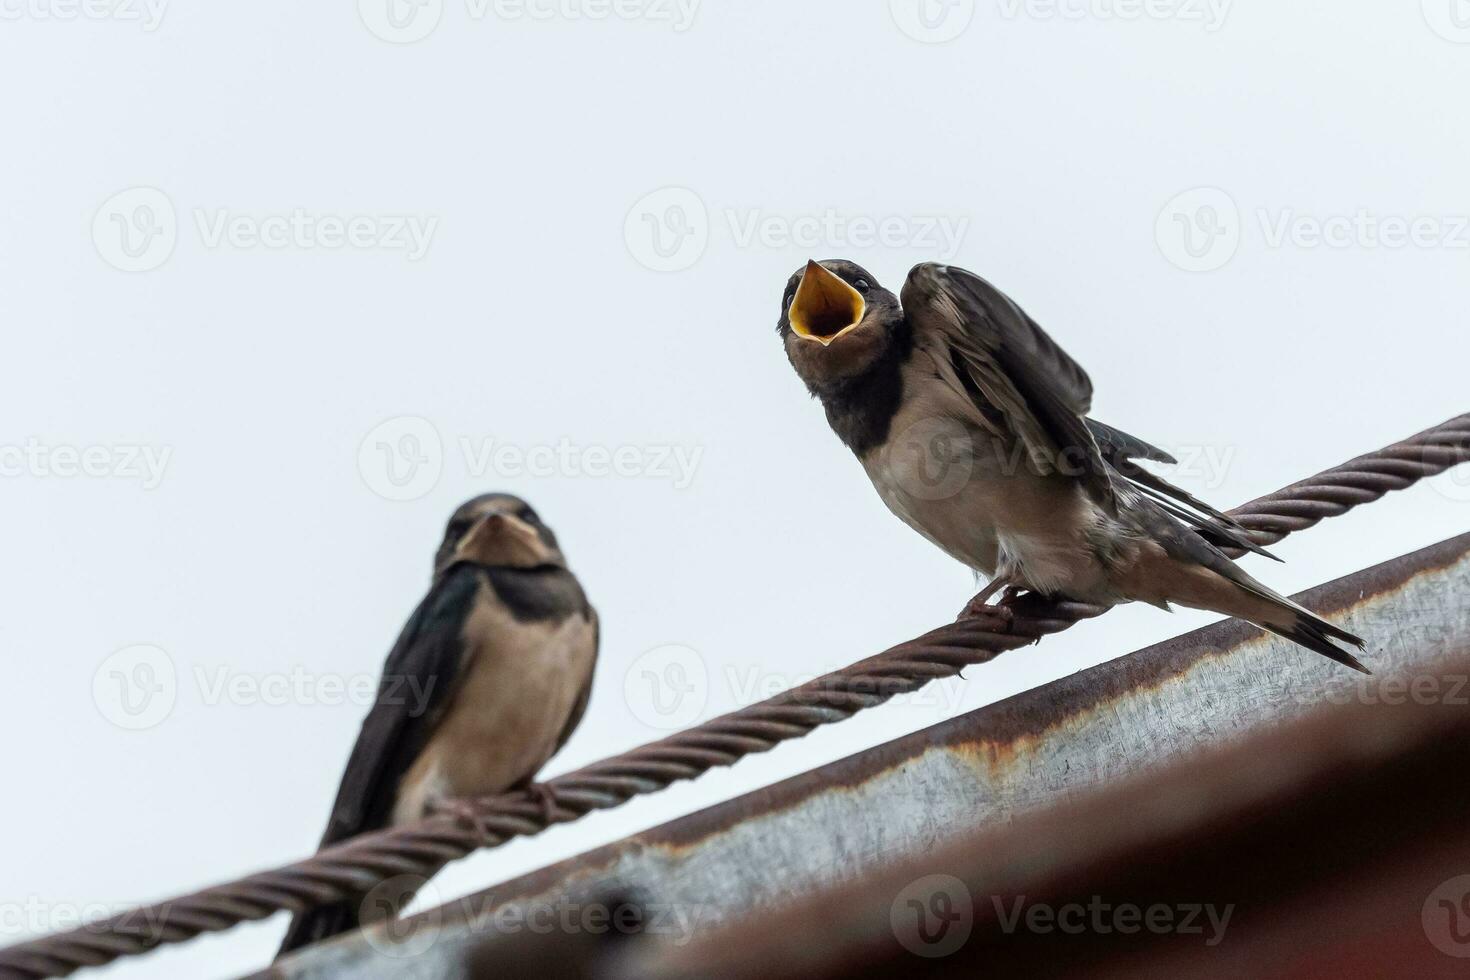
1317	634
1303	626
1231	591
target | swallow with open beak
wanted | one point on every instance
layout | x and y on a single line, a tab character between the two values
486	682
972	424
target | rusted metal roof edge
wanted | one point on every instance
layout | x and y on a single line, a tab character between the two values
1302	830
1027	714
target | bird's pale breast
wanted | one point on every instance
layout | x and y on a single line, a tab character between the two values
974	494
519	684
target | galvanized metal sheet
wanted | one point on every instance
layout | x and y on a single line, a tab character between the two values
861	814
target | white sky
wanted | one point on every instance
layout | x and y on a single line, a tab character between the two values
521	148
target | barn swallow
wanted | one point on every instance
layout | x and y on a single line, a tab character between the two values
972	424
486	682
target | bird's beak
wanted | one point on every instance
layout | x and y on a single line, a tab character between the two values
504	541
825	306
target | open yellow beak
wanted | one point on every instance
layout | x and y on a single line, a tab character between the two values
825	306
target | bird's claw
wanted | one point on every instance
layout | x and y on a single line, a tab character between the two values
978	608
544	794
464	812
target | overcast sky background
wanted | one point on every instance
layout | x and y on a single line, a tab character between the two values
607	212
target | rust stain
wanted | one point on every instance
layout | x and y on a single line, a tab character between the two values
1004	735
999	740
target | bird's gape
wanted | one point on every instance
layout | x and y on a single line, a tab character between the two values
825	306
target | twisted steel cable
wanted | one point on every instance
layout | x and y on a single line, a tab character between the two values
355	867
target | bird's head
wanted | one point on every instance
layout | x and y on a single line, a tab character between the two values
836	321
498	530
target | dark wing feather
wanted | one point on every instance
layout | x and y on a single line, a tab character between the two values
1117	444
398	727
394	732
1119	450
580	708
1043	393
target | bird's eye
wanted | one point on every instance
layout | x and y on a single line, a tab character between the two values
862	285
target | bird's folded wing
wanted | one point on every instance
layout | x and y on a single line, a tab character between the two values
1120	450
580	707
417	680
1019	370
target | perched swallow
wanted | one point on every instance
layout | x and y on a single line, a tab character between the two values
972	424
484	685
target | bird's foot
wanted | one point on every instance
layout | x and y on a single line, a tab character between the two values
981	608
463	811
544	794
